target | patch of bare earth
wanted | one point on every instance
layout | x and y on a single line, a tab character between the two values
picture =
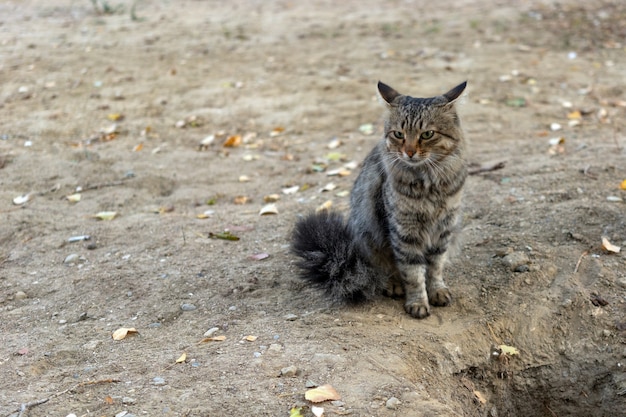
121	110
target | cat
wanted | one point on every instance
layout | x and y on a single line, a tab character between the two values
404	210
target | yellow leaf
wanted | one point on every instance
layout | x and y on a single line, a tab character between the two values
326	206
73	198
182	358
277	131
322	393
623	185
251	338
114	117
296	412
609	247
508	350
213	339
106	215
232	141
575	115
122	332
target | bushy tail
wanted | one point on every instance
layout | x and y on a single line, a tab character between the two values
331	259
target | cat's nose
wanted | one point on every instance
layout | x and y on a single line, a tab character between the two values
410	153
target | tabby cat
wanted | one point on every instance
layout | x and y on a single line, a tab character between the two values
404	210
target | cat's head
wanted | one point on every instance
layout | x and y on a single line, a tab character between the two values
422	129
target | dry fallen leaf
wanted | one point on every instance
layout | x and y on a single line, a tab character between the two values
122	332
109	400
623	185
73	198
232	141
326	206
277	131
213	339
608	246
19	200
322	393
291	190
114	117
272	198
480	397
138	147
241	199
268	209
508	350
574	115
106	215
182	358
250	338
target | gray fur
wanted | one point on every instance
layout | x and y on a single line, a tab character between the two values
404	210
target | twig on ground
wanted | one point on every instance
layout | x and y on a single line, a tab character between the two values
104	185
26	406
580	259
487	168
497	339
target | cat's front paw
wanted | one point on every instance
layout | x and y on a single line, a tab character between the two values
441	297
419	309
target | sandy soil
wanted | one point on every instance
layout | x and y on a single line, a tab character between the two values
288	79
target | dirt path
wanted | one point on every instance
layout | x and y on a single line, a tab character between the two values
132	115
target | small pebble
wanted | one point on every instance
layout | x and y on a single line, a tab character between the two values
291	317
257	354
310	384
128	400
275	347
211	331
154	325
72	258
188	307
289	371
338	403
157	380
392	403
71	415
20	295
522	268
122	413
515	260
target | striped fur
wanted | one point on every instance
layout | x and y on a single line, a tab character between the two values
404	210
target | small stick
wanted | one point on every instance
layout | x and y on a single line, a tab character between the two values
580	259
494	335
25	406
489	168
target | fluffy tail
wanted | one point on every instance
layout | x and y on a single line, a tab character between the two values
331	259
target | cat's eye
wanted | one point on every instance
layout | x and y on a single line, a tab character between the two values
398	135
427	135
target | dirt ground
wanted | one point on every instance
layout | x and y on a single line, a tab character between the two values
130	108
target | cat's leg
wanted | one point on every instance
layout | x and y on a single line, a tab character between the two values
438	292
394	287
414	281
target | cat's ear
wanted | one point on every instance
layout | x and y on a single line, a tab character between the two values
455	93
387	93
